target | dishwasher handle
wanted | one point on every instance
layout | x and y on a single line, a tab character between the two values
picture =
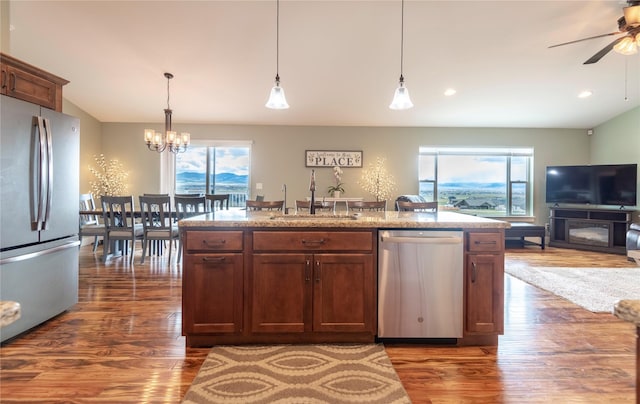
422	240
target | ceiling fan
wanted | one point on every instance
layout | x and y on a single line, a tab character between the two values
628	24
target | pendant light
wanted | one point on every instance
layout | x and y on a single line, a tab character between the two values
277	99
170	140
401	99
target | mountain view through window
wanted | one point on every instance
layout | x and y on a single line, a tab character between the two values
214	170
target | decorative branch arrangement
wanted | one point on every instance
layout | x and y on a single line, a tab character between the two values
377	181
110	177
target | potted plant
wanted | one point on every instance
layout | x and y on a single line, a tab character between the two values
338	188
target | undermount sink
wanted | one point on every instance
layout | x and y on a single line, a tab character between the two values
314	217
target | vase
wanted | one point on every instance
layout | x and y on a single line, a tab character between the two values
336	194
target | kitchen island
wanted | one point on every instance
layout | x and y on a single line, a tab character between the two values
265	277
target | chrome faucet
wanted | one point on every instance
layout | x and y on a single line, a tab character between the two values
312	188
284	189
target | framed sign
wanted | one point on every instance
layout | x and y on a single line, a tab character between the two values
332	158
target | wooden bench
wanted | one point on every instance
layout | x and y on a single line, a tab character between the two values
521	230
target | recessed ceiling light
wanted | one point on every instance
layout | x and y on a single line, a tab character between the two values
585	94
449	91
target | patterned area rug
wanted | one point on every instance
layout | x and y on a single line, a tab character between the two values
297	374
595	289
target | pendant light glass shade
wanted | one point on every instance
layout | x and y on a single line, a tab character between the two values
401	99
277	100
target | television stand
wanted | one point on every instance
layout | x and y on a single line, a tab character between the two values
600	230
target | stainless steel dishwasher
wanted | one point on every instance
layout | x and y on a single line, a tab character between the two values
420	289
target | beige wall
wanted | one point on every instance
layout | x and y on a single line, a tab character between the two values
617	141
90	142
278	153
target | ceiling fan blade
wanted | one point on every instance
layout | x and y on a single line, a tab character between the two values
603	51
585	39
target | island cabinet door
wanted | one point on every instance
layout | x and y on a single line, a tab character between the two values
485	290
343	293
281	293
212	294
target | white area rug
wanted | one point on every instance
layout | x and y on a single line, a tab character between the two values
595	289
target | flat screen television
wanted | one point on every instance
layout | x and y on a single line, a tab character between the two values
612	184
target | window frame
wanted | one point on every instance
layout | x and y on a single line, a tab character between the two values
509	153
168	162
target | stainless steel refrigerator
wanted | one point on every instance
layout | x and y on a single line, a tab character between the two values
39	181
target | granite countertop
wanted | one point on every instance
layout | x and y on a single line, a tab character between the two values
9	312
628	310
381	220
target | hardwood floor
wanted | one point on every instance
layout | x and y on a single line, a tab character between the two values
122	343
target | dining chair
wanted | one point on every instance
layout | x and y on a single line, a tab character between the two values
90	225
407	206
217	202
157	223
360	206
189	195
265	205
187	206
303	206
119	219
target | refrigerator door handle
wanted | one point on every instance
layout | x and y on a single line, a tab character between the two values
75	243
49	178
41	174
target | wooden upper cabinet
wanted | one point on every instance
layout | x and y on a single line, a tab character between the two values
29	83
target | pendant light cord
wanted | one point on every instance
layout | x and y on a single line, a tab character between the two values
626	67
277	39
401	40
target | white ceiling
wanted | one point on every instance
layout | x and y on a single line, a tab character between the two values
339	60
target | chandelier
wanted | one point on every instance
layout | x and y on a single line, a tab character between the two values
170	140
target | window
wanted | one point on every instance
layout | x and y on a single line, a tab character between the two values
486	182
215	169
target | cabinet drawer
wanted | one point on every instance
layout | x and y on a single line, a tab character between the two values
214	241
31	88
485	242
312	241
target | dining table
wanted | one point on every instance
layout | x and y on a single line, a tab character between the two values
115	250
